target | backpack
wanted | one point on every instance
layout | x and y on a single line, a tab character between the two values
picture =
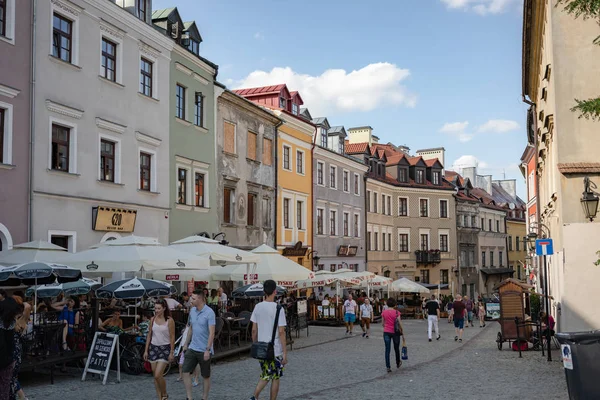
7	347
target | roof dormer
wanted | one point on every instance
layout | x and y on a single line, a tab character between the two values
295	103
191	37
417	170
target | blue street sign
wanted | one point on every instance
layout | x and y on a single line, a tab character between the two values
543	247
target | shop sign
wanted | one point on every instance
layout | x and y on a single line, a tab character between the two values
109	219
174	277
347	251
250	277
296	251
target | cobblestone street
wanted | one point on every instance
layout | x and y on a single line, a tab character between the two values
330	365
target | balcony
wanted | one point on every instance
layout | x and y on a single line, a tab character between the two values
428	257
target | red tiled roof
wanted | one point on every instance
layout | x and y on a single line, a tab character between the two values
381	153
451	175
355	148
431	162
394	159
414	160
274	89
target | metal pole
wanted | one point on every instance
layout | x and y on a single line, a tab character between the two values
548	336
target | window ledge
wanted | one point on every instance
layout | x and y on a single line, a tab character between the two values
63	173
228	225
109	183
300	173
250	160
201	129
66	64
201	209
230	154
267	229
253	228
183	207
183	121
7	40
7	166
116	84
148	97
149	192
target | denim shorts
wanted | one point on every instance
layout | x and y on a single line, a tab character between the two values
459	323
349	317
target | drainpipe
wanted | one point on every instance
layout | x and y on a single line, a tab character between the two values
312	194
31	122
458	287
365	220
276	199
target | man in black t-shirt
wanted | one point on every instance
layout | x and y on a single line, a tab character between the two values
433	316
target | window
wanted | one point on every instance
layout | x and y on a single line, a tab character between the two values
383	204
282	103
420	176
490	225
376	242
199	109
389	205
368	200
182	185
424	242
299	206
332	222
109	60
180	102
286	213
251	148
141	9
346	181
403	242
62	38
319	173
356	184
319	221
483	259
444	243
356	225
332	177
146	77
228	205
491	258
107	160
266	210
323	137
482	224
65	239
435	176
497	226
299	162
424	276
473	221
510	243
383	242
389	242
194	46
294	108
199	189
369	247
500	258
228	137
60	148
466	221
423	207
444	276
402	206
145	171
2	17
444	211
286	158
267	155
250	216
403	175
2	133
374	202
517	244
341	145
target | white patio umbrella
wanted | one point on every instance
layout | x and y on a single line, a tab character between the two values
31	252
377	281
408	286
170	275
270	265
219	254
326	278
134	254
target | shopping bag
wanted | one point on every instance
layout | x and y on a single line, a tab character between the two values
404	350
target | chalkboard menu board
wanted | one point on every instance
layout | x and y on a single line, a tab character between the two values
100	356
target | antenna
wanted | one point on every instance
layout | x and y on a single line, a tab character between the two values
503	174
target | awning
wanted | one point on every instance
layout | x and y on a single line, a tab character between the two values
435	286
497	271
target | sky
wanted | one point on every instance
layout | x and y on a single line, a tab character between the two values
422	73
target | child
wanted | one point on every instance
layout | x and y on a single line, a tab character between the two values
143	326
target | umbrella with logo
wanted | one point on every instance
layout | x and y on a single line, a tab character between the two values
32	251
134	288
254	290
82	286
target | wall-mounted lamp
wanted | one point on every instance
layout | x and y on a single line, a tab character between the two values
589	199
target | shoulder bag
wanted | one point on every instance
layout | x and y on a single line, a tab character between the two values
397	327
266	350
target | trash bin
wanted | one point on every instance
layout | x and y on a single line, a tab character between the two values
580	352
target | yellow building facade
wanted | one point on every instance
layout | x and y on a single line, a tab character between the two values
517	231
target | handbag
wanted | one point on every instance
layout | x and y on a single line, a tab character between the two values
266	350
404	350
397	327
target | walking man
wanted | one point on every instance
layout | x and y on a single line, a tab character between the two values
459	317
366	316
349	314
433	316
263	321
469	306
199	343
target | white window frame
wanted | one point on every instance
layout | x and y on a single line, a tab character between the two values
118	148
447	208
188	184
73	16
375	232
322	164
291	211
404	231
344	173
303	210
336	228
356	216
323	225
72	238
427	232
10	23
428	207
324	135
153	168
344	214
356	184
407	207
303	173
290	169
119	54
440	233
155	73
72	143
369	200
335	187
8	133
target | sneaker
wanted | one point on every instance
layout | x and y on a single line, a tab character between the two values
364	334
399	364
195	382
347	332
456	338
430	340
367	336
438	338
389	370
460	340
350	333
252	398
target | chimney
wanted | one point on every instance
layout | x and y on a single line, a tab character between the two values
429	154
469	172
509	185
485	182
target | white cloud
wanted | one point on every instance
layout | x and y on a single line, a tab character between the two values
467	161
458	129
373	86
259	36
481	7
498	126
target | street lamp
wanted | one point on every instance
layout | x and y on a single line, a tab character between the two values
223	242
315	259
589	200
386	271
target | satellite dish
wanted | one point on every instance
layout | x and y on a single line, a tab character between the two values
511	206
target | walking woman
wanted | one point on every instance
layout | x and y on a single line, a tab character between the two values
481	315
10	312
160	345
16	391
388	319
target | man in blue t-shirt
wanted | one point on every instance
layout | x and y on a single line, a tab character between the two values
198	347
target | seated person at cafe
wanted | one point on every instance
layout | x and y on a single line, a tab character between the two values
547	324
213	300
69	316
144	325
172	303
114	323
325	301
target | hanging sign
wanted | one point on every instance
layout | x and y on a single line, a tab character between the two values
100	356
